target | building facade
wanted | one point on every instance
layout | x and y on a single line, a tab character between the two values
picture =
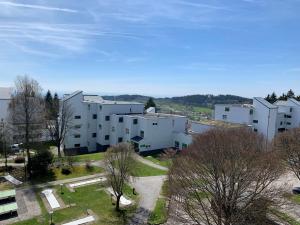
98	124
265	118
5	97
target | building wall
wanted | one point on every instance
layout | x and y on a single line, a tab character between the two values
236	114
4	108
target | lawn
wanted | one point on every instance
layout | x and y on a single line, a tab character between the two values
156	159
91	197
89	157
143	170
159	214
293	198
285	217
77	171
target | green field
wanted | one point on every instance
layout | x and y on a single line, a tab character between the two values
143	170
156	159
159	214
89	157
91	197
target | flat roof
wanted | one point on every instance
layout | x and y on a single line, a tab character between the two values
156	115
219	123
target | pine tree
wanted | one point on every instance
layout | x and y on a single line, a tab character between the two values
283	97
56	104
150	103
290	94
48	100
268	98
273	98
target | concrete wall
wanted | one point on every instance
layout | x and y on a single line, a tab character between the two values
236	114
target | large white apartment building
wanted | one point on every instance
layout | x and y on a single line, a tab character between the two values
99	124
265	118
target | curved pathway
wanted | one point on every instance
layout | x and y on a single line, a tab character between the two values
149	163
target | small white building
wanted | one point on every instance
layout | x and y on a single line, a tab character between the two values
5	97
265	118
99	124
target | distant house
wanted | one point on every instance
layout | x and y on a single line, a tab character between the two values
265	118
100	123
5	97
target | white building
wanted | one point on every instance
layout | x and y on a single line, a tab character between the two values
99	124
5	97
265	118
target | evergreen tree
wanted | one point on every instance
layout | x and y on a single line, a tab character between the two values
150	103
273	98
268	98
290	94
298	98
48	100
283	97
56	104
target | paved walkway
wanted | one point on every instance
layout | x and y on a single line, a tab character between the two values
149	189
149	163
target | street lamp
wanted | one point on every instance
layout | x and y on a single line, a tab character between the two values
51	213
61	186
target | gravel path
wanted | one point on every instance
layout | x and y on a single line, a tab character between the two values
149	190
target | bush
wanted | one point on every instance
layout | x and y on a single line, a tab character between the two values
40	162
66	170
19	159
88	165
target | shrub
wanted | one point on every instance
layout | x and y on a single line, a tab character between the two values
40	162
66	170
88	165
19	159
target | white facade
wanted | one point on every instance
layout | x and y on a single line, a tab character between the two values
99	124
265	118
5	97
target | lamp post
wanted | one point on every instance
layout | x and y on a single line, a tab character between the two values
61	191
51	213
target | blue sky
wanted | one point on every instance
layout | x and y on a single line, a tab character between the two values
153	47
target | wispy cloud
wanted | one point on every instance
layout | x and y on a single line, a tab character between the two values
40	7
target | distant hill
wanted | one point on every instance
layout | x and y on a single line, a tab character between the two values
193	100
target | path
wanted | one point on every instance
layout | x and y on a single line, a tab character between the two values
149	189
149	163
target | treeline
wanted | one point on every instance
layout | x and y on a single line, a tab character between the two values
272	98
195	100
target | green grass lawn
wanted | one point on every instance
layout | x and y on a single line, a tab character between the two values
89	197
285	217
89	157
143	170
293	198
77	171
159	214
156	159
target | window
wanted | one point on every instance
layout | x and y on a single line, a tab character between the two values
100	126
177	144
121	119
77	145
288	123
227	109
142	133
76	135
255	130
120	139
251	111
173	123
135	121
127	131
255	121
77	126
113	129
77	117
106	137
107	118
94	135
154	124
89	106
94	116
100	107
287	116
281	122
291	109
224	117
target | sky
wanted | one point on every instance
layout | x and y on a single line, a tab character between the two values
153	47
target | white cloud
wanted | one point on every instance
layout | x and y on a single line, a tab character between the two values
40	7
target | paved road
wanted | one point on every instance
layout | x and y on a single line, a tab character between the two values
149	189
149	163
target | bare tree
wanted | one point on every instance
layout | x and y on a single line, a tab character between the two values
60	124
288	143
119	163
224	176
26	112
